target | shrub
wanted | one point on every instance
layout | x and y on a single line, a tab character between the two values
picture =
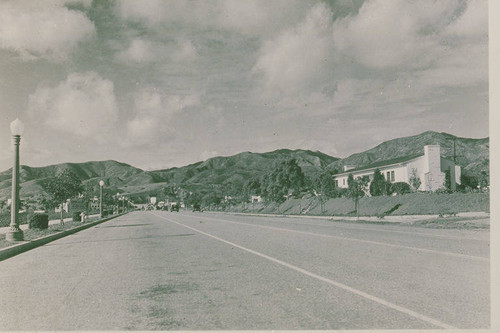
39	221
106	212
379	186
400	188
76	216
5	218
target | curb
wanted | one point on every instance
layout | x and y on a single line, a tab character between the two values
386	219
16	249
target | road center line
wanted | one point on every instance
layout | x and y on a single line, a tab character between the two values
419	249
321	278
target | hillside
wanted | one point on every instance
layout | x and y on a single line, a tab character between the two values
221	171
471	154
114	172
226	173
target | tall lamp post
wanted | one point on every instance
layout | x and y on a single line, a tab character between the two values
15	233
101	184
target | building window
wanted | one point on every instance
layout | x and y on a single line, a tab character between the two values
343	181
390	176
336	183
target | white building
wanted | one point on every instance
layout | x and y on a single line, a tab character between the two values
430	167
65	207
256	198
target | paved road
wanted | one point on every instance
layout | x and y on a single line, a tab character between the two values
190	271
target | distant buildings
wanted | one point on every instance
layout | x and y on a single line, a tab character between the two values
255	198
65	207
429	167
94	203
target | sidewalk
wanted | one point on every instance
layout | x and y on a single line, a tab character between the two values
396	218
3	230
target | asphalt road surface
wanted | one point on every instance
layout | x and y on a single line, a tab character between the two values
191	271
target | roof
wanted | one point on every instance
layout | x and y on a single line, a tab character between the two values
383	163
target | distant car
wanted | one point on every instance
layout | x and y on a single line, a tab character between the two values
174	208
196	208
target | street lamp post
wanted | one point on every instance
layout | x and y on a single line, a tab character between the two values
101	184
15	233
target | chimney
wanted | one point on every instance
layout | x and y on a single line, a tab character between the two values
432	155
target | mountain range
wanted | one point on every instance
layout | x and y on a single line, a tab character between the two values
233	171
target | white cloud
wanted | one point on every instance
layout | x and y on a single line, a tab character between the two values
146	51
458	67
138	51
185	51
473	22
154	116
260	17
462	59
42	29
250	17
84	104
299	58
392	33
152	10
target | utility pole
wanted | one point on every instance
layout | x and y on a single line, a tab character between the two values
454	149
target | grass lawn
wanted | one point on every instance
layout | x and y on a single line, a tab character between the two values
32	234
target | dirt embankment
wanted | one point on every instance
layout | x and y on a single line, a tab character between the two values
408	204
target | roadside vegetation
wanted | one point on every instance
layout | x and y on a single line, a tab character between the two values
381	206
35	233
284	187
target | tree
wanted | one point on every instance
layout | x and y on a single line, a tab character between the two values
447	180
379	186
357	189
484	179
63	186
171	192
192	199
252	187
324	187
415	181
286	178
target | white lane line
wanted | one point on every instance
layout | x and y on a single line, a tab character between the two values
418	249
324	279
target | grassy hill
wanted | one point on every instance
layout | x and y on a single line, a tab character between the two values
220	171
232	171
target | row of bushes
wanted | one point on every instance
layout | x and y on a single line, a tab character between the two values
41	220
5	217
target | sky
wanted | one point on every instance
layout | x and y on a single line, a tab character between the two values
158	83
